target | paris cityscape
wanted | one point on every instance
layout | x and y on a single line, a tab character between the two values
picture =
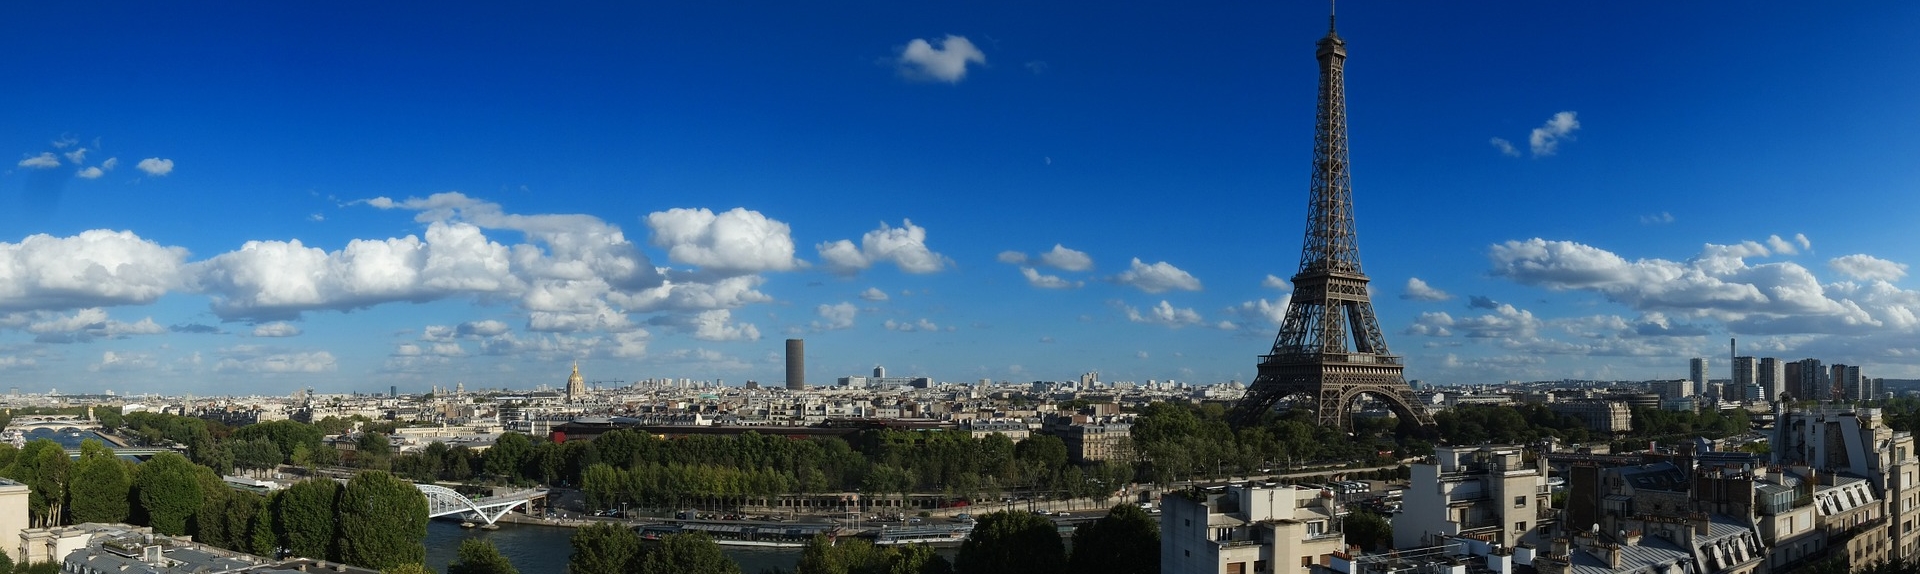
960	289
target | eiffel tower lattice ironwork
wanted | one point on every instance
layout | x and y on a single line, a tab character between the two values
1330	350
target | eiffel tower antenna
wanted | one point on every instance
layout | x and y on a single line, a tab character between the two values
1330	350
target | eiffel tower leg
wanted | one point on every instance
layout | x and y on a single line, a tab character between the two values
1332	409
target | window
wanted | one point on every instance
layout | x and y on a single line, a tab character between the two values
1519	501
1519	527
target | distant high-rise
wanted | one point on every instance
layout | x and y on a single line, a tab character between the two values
1773	378
879	372
1743	377
393	391
1697	372
796	364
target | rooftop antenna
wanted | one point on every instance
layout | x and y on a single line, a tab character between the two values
1331	6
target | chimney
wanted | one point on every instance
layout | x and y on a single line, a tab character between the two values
1613	555
1701	523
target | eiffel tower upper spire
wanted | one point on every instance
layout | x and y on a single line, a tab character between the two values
1330	245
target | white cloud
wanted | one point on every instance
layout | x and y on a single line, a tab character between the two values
90	172
77	156
905	327
733	242
1036	279
155	166
1789	247
718	325
1012	258
873	294
921	60
486	328
45	160
1868	268
276	329
1434	324
1545	140
1163	314
1505	147
1418	290
95	268
82	326
1661	218
1158	277
836	316
1062	258
306	362
1272	282
111	361
1719	284
905	246
1262	311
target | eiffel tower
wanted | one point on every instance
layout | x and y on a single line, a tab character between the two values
1330	350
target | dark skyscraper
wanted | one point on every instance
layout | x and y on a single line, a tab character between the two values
796	364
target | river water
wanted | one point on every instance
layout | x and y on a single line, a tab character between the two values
536	549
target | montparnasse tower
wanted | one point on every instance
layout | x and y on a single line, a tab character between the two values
576	385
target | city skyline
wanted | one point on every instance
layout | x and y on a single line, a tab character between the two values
264	198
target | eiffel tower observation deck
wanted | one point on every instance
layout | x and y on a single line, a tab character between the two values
1330	351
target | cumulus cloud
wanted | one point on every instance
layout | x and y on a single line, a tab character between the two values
1482	302
112	361
1036	279
905	327
1261	311
713	325
486	328
82	326
904	246
1719	284
922	60
1157	278
78	155
1272	282
155	166
1788	247
873	294
1545	140
734	242
1012	257
276	329
251	361
1868	268
1418	290
836	316
46	160
95	268
1505	147
1163	314
1064	259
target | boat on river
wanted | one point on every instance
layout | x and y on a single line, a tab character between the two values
935	534
743	533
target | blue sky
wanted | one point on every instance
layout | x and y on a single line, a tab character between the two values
486	193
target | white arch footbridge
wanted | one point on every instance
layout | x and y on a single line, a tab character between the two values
443	501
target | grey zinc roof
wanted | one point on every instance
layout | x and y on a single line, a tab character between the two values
1642	557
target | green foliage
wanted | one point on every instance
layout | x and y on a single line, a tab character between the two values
478	556
43	466
303	518
168	491
1125	541
856	556
1367	530
1012	543
687	553
383	521
408	569
285	435
604	548
508	456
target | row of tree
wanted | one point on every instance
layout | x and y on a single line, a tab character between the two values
375	520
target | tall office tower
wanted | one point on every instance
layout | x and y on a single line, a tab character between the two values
879	372
1856	387
1330	350
796	364
1743	376
1772	378
1697	372
1812	381
1791	380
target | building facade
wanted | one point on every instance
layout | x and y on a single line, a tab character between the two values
1488	492
1248	529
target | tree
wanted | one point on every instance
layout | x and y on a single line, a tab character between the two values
303	517
478	556
508	456
383	521
603	548
101	485
408	569
43	466
687	553
168	491
1012	543
1125	541
1367	530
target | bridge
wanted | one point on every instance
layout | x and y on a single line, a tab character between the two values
129	451
30	423
443	501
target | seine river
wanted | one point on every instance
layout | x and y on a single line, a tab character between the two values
536	549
